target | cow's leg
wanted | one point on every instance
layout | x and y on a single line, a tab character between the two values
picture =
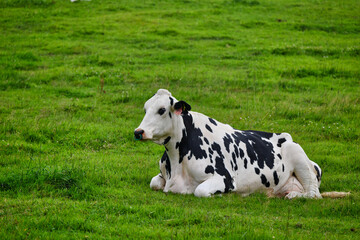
211	186
297	160
157	182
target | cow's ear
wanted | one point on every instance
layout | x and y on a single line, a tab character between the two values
181	107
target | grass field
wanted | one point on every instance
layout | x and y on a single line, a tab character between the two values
73	81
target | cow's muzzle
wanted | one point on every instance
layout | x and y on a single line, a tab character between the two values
138	134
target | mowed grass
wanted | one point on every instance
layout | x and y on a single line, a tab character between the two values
73	81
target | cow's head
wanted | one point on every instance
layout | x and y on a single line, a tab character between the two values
160	113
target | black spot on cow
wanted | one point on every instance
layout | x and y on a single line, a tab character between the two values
227	141
252	155
257	171
236	150
209	169
281	141
242	154
279	156
221	169
318	174
211	152
171	101
234	161
191	140
213	121
237	136
283	168
276	178
208	128
167	140
165	158
206	140
258	149
264	180
228	182
170	115
245	163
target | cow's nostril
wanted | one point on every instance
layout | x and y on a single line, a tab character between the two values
138	134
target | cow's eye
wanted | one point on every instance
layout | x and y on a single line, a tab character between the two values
161	111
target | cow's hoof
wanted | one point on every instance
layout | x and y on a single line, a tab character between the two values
157	183
312	195
293	194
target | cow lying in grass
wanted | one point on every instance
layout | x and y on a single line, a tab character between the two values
206	157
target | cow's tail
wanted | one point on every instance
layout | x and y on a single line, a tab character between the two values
335	194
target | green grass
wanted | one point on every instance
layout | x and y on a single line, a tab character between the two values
73	81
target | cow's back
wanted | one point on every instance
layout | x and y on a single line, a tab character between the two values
252	159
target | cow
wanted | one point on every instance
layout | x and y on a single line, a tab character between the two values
205	157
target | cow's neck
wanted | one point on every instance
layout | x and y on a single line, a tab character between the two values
171	146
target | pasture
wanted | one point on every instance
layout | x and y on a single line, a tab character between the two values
73	81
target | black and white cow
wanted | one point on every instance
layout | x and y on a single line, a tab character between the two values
205	157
